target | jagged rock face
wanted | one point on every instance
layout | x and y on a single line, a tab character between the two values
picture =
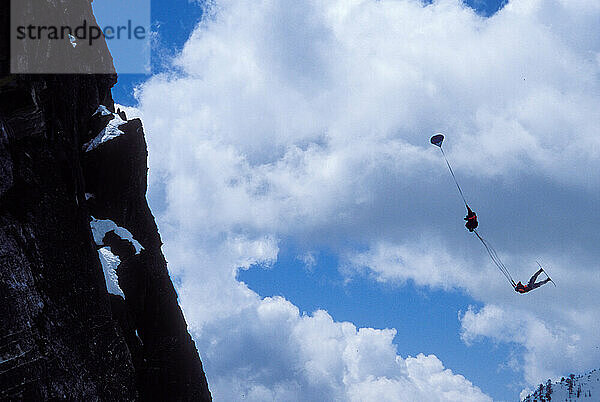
62	335
115	175
57	334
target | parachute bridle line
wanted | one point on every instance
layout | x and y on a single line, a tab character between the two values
491	251
496	260
454	177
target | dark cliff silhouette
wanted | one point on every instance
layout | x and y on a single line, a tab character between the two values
62	335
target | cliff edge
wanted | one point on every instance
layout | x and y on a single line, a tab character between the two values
87	308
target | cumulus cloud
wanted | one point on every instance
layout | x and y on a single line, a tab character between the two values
261	349
554	328
551	347
309	121
271	352
417	262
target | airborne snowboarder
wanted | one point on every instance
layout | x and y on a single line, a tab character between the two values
532	284
472	224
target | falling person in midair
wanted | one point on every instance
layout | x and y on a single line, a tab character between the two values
472	225
471	219
532	284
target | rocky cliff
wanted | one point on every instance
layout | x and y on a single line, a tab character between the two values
87	308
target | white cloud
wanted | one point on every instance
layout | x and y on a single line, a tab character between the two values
271	352
551	347
427	380
310	121
309	260
554	326
265	349
416	262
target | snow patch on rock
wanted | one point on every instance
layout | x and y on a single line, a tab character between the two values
100	227
102	111
109	132
110	262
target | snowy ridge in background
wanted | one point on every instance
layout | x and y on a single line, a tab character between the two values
584	387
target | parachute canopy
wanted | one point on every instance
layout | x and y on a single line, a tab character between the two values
437	140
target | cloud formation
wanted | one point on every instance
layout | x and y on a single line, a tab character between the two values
309	121
271	352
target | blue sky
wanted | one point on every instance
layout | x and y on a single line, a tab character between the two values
315	236
423	319
173	22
